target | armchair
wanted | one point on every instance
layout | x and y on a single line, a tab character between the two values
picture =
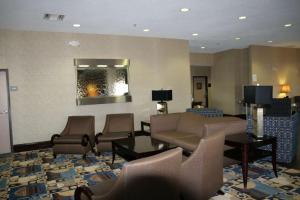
117	126
155	177
78	137
202	173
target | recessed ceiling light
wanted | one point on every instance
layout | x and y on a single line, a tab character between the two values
102	66
203	47
288	25
237	38
119	65
242	17
76	25
270	41
146	30
195	34
83	66
184	10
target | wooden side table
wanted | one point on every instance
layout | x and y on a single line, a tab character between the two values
143	125
246	149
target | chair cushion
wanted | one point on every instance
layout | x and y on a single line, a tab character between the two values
191	123
71	149
171	136
68	139
187	143
113	136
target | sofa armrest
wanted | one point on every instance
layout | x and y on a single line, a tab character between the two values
229	125
162	123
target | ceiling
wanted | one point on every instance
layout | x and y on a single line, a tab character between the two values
216	21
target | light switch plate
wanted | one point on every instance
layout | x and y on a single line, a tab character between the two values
13	88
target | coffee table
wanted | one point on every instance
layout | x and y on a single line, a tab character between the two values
138	147
246	149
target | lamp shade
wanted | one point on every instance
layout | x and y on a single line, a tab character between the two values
260	95
161	95
286	88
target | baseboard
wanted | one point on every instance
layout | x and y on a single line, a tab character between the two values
31	146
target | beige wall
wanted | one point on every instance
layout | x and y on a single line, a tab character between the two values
41	66
276	66
229	73
201	59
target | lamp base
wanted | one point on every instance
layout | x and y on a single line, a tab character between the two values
162	107
258	128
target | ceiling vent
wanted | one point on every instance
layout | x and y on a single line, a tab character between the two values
53	17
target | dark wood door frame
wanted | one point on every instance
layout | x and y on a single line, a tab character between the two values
9	109
206	88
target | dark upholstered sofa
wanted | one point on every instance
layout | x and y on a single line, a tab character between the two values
187	129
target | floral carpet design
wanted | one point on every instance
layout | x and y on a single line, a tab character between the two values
36	175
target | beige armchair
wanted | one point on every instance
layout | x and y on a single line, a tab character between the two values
150	178
78	137
117	126
202	172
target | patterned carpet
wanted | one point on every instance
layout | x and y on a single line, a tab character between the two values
36	175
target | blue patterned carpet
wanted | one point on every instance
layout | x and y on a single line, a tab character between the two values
36	175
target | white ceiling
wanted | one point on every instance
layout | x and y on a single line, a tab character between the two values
216	21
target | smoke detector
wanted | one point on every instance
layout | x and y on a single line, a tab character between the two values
53	17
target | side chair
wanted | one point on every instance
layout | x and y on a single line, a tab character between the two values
117	126
78	136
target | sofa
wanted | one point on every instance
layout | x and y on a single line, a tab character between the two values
186	129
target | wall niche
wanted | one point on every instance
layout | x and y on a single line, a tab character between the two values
101	81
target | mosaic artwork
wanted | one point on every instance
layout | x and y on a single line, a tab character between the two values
37	175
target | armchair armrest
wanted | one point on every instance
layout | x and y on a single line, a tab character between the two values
83	190
96	137
53	137
84	140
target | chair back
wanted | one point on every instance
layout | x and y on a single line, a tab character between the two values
119	123
155	177
202	173
80	125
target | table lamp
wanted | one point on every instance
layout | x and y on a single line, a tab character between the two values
260	96
285	88
162	96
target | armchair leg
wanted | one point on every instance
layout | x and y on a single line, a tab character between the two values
84	156
220	192
54	155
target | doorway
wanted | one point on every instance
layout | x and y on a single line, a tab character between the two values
5	122
200	91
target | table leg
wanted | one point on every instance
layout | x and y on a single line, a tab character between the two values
142	127
245	152
113	152
274	149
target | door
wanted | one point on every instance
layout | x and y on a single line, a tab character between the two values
200	92
5	134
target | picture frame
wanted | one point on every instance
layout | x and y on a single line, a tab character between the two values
199	86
